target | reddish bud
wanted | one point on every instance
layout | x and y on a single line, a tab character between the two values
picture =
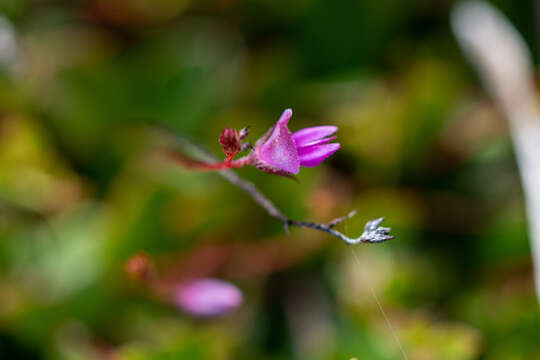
139	268
230	142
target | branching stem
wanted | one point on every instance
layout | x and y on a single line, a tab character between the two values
373	232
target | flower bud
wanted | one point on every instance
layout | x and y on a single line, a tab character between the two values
246	146
244	133
230	142
139	268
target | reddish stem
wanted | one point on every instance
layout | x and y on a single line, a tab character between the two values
193	164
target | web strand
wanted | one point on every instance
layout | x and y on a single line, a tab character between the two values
381	309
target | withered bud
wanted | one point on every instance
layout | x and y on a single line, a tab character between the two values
244	133
230	141
139	268
246	146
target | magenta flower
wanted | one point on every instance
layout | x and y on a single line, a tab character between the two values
280	150
207	297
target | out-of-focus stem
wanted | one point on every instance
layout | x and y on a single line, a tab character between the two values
502	59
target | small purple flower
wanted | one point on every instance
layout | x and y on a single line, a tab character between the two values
279	150
207	297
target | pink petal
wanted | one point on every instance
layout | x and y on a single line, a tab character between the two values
279	150
317	142
207	297
313	155
307	135
285	117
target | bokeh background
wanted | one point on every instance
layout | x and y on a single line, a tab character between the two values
84	85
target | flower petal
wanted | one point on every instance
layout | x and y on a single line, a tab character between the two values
207	297
314	155
285	117
279	150
307	135
318	142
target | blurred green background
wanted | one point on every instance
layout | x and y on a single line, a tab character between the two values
82	85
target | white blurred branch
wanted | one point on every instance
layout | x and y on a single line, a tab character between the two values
8	44
502	59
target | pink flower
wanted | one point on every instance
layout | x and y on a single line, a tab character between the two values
207	297
280	150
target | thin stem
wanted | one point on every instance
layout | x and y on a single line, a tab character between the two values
213	165
381	309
